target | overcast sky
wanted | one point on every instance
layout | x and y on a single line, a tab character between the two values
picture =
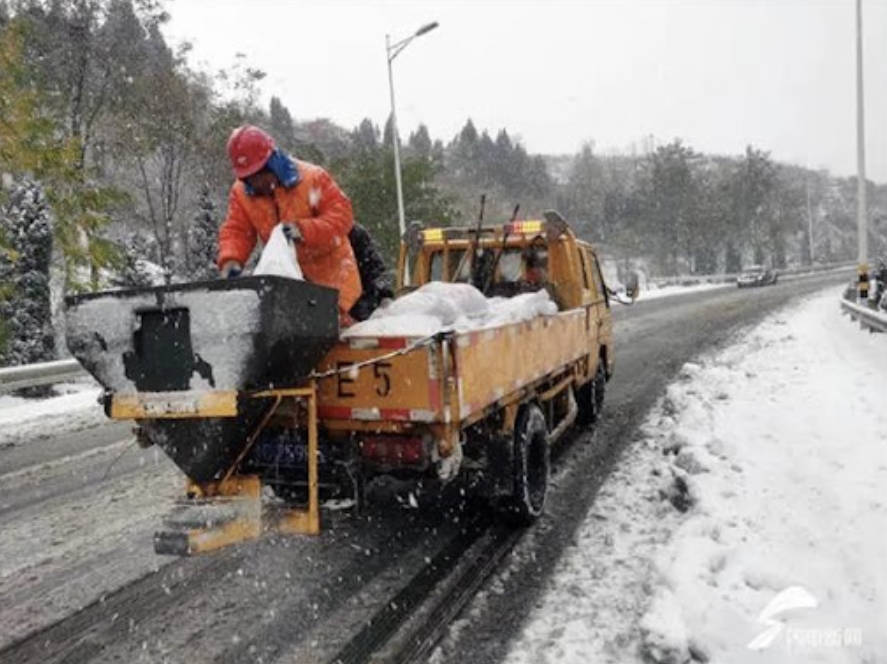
720	74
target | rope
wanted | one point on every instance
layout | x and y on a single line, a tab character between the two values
357	366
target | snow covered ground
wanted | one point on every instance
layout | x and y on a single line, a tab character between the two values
22	419
746	524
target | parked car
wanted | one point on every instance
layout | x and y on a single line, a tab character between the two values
756	275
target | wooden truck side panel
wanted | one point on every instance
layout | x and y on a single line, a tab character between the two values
492	364
486	365
453	380
405	387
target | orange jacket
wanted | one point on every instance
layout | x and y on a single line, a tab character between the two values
323	215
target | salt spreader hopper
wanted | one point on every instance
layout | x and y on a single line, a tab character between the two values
202	368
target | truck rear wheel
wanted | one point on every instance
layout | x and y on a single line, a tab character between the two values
530	468
590	397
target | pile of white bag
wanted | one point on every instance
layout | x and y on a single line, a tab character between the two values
279	257
439	306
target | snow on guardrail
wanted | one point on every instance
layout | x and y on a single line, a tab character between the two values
42	373
686	280
875	321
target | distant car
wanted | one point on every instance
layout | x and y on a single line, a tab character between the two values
756	275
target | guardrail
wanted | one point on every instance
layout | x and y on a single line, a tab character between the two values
874	321
43	373
693	279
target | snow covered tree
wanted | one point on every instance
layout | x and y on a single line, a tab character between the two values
757	183
420	143
281	124
35	143
367	174
6	258
203	239
25	309
133	265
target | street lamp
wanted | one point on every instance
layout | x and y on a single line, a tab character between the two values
861	219
393	50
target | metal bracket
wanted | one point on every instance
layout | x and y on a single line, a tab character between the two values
220	513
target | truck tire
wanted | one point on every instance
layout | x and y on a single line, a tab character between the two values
530	469
590	397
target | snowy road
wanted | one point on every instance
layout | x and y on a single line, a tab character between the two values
71	536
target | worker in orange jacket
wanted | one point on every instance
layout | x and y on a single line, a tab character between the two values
272	188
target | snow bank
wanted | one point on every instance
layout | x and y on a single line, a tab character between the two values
438	306
776	451
23	420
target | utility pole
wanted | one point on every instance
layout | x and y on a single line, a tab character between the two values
809	222
862	226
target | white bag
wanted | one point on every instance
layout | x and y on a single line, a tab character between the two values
279	257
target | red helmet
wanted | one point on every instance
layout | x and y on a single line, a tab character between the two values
248	149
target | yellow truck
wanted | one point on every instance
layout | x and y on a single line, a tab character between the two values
285	402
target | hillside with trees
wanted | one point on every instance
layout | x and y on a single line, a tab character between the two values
113	158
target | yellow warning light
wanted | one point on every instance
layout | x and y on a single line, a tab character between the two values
524	227
432	235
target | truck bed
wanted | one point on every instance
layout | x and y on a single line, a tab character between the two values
453	377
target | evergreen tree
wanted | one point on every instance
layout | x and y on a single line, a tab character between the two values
388	134
420	143
365	138
133	264
673	205
281	125
757	180
203	239
583	201
367	175
26	308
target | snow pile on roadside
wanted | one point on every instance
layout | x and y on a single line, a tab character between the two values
22	420
439	306
777	450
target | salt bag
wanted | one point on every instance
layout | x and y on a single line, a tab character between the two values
279	257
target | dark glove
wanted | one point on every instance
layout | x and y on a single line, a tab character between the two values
231	270
291	231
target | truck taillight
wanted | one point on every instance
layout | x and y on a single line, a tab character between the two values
394	450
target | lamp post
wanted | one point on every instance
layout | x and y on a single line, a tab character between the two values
861	221
393	50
